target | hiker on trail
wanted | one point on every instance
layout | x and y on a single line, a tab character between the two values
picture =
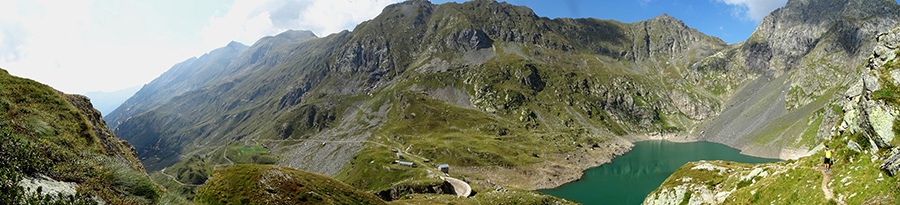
828	161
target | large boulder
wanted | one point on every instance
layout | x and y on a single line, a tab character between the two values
881	119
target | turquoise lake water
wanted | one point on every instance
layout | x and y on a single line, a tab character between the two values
632	176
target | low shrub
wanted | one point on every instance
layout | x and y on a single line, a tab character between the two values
131	182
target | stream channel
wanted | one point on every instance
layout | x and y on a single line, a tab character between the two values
629	178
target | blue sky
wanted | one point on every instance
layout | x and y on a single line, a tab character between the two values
80	46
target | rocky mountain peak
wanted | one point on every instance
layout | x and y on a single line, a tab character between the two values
295	35
790	32
236	45
664	16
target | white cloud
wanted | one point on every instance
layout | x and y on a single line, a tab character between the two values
249	20
51	42
753	9
78	46
12	40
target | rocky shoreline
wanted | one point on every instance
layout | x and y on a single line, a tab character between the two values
557	170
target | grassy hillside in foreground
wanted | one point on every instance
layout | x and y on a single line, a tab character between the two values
269	184
854	179
46	133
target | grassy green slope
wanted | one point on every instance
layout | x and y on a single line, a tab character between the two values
268	184
46	132
854	179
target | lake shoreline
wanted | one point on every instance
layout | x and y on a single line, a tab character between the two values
638	174
552	174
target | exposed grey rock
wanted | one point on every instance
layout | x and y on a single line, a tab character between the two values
854	146
883	53
890	39
855	89
469	40
863	114
891	166
48	186
881	120
871	82
895	74
691	105
700	194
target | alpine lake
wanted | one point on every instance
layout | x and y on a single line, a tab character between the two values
629	178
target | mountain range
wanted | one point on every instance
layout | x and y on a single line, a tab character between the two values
505	97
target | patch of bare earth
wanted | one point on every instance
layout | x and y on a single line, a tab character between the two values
556	170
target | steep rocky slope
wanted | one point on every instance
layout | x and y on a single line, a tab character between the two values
863	139
195	73
507	98
182	77
60	142
804	54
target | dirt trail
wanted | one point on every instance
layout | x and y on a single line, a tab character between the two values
163	171
225	155
826	177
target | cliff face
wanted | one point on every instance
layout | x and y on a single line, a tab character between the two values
872	104
799	57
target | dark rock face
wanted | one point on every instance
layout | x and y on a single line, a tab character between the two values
294	97
401	190
802	25
668	37
532	79
469	40
891	166
366	57
758	56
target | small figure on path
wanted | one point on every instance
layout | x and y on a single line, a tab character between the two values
828	161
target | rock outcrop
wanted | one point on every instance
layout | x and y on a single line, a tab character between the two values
788	69
870	104
400	190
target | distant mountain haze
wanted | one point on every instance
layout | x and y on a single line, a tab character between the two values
106	102
194	73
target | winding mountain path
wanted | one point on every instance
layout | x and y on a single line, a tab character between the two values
163	171
225	155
